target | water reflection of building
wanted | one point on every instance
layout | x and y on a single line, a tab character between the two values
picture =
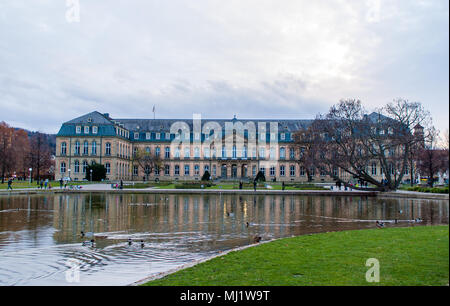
219	217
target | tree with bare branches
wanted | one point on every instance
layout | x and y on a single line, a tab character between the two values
146	161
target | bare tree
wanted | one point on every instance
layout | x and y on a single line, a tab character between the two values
431	159
351	143
147	162
40	155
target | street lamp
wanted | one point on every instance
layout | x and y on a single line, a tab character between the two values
91	175
68	170
31	169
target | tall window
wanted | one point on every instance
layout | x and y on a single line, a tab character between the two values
262	153
108	149
244	152
85	165
187	152
63	148
167	153
78	129
254	171
272	171
282	171
108	168
62	168
177	170
196	152
196	170
94	148
86	130
263	170
206	152
135	170
77	148
186	170
206	168
167	170
214	172
76	167
292	170
234	152
302	171
282	153
157	151
292	153
177	152
374	169
94	130
272	153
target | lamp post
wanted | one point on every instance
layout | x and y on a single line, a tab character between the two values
31	169
69	174
91	175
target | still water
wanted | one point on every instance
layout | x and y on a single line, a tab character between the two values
40	241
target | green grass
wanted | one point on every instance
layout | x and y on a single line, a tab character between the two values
412	256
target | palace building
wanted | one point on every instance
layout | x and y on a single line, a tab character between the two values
185	149
265	145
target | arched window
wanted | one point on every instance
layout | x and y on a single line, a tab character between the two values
157	151
196	152
272	153
177	152
187	152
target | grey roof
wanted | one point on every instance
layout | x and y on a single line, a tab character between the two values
96	117
156	125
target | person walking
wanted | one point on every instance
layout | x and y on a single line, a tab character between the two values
46	183
10	184
254	185
283	186
42	184
61	183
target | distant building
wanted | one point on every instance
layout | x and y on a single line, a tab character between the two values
185	149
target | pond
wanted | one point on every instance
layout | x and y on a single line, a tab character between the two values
40	241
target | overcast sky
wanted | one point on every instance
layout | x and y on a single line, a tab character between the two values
253	58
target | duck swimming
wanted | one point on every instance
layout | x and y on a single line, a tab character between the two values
142	243
91	243
130	242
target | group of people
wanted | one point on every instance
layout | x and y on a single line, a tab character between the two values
44	184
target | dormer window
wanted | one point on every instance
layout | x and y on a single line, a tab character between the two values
283	136
390	131
147	136
157	135
94	130
78	129
89	120
136	135
168	136
86	130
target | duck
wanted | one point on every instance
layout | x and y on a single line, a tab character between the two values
142	243
130	242
91	243
247	224
379	224
400	211
89	234
257	239
418	220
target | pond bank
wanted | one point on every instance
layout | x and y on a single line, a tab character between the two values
412	256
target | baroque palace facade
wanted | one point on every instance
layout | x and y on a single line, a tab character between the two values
185	150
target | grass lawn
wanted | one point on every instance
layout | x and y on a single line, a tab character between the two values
407	256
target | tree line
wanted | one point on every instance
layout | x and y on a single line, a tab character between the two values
21	150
